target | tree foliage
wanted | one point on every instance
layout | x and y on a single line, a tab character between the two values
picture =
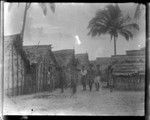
111	20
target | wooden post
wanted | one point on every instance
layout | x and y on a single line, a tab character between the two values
36	77
8	76
43	80
21	76
41	76
17	76
12	73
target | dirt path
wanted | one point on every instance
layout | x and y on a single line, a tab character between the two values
83	103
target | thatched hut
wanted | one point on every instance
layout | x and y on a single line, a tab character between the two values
65	59
16	65
43	68
129	70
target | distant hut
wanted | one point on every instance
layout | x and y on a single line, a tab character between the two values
16	65
43	66
83	60
103	62
65	59
129	70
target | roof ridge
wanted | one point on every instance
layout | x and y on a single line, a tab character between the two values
62	50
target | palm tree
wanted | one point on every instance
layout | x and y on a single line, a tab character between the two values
111	21
27	6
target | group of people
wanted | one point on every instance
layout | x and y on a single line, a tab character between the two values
91	77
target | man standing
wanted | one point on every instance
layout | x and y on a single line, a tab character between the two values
97	78
83	77
49	78
90	76
110	77
74	77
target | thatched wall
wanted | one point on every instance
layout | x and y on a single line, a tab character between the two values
41	58
129	69
133	82
15	66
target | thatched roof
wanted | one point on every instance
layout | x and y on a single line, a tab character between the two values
64	57
103	60
15	41
131	63
136	52
128	68
83	59
36	52
128	59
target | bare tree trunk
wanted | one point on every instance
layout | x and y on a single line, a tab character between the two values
115	52
24	21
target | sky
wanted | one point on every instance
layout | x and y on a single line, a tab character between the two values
67	28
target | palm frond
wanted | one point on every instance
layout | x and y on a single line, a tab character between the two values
102	14
98	26
96	22
137	13
52	6
44	8
125	19
28	5
97	30
114	11
126	34
131	26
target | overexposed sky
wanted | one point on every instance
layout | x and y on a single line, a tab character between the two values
67	28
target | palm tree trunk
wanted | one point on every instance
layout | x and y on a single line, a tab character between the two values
115	52
24	21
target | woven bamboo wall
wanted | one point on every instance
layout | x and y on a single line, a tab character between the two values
14	68
129	70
